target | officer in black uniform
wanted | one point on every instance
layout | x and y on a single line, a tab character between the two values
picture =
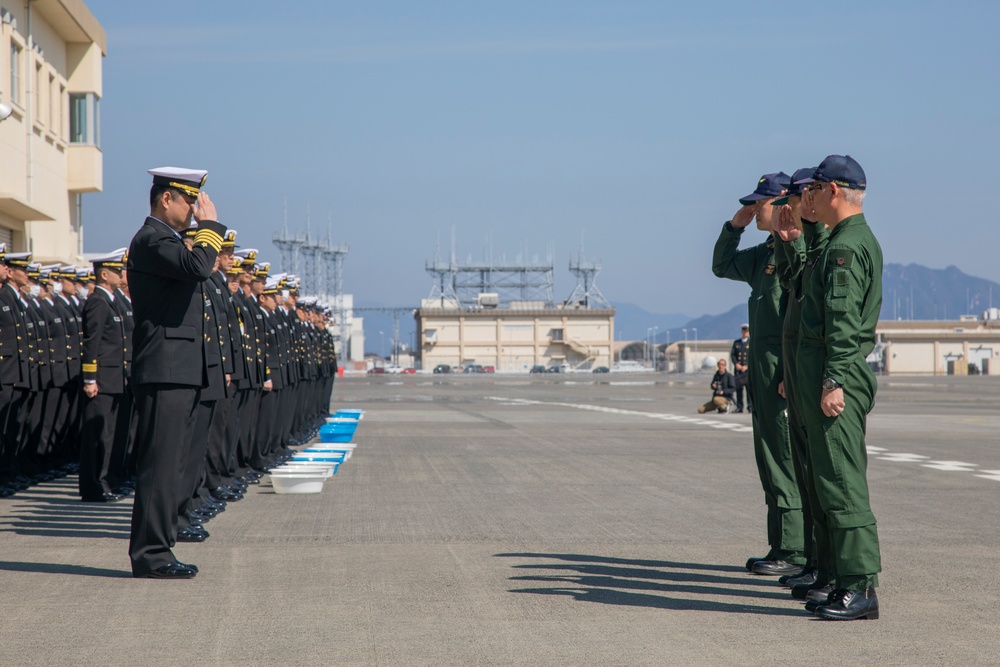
14	369
58	345
169	369
740	357
103	381
65	431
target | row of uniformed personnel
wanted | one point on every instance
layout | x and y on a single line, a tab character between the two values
40	351
230	367
66	391
815	300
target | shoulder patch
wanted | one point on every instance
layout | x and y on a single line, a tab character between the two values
840	258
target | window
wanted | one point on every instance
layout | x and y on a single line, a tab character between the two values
15	72
39	116
85	118
53	105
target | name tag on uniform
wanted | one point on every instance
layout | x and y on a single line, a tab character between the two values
57	320
218	291
6	309
117	319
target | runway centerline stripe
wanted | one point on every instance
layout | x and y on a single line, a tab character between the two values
880	453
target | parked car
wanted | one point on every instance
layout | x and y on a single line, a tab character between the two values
602	369
473	368
537	369
395	370
376	370
488	369
409	371
553	369
442	368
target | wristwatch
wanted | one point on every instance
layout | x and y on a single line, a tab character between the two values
829	384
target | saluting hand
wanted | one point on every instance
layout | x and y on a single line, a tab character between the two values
785	226
743	217
832	402
206	209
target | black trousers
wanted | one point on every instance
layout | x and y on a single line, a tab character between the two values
217	458
266	426
100	419
196	465
741	383
163	445
12	402
247	407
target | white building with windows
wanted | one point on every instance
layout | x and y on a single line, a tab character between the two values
515	338
51	54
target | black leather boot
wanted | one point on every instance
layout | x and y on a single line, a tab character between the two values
847	605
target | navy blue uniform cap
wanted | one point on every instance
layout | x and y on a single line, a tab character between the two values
769	185
840	169
798	185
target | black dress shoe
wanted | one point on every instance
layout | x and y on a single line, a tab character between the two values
171	571
847	605
192	534
103	498
814	604
810	591
773	567
752	560
806	576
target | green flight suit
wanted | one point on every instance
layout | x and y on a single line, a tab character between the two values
772	450
796	261
840	309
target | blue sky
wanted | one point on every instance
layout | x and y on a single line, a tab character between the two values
526	125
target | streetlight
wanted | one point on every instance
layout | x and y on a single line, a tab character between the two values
5	111
381	345
655	330
685	350
695	329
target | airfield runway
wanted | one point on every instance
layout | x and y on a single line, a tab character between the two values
516	520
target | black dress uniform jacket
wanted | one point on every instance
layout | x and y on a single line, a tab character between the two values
103	343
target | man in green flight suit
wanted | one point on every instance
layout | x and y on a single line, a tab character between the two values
840	309
799	241
772	450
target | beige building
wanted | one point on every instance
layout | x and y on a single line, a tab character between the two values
50	152
516	338
941	347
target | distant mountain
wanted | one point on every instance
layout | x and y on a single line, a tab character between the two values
909	292
631	322
717	327
915	292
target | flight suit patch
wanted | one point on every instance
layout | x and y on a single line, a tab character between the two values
841	258
769	270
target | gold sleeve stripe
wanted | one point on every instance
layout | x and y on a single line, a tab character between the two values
209	237
89	368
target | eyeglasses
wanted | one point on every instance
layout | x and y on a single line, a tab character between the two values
815	186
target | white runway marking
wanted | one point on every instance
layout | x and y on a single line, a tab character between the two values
880	453
903	457
951	466
684	419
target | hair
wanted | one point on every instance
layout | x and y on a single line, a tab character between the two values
98	274
157	191
853	197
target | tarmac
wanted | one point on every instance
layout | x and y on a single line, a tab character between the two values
528	520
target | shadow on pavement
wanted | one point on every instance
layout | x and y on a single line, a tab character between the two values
61	568
609	580
54	510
